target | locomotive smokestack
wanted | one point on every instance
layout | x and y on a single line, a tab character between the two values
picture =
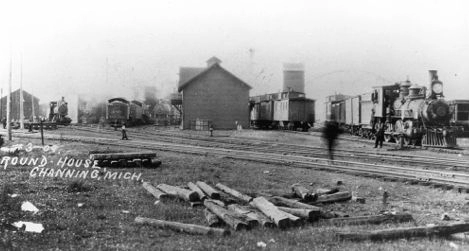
433	76
436	86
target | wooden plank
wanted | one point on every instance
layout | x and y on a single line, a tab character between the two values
280	201
212	219
234	193
210	191
303	192
309	214
117	156
335	197
196	189
182	227
252	213
185	194
408	232
155	192
281	219
371	219
228	217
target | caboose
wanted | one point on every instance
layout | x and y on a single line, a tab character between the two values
284	110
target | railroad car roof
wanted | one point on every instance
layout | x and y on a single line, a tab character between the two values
459	101
137	102
118	99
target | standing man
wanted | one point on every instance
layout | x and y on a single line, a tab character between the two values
124	132
4	122
379	136
330	134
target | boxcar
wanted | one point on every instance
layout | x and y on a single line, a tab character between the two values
117	112
460	116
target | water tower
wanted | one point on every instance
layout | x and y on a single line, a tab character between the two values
293	77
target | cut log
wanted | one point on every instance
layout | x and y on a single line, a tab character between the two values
185	194
281	218
212	193
218	202
117	156
309	214
252	213
155	192
409	232
372	219
212	219
196	204
322	191
303	192
182	227
280	201
327	215
154	163
335	197
252	222
229	218
196	189
234	193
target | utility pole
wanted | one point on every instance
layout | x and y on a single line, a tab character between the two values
1	104
9	101
21	95
33	114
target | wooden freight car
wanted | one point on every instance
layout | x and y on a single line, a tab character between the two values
283	110
460	116
117	112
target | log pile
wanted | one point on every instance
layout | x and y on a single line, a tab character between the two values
243	212
129	159
238	211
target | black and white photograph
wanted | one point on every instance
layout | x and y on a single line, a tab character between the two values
234	125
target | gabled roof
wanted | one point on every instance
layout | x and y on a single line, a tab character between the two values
187	73
16	93
183	85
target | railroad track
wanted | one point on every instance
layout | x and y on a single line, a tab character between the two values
292	149
447	179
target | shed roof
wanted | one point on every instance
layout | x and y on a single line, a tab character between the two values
205	71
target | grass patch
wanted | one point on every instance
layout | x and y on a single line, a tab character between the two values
105	219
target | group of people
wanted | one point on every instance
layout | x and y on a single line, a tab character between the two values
332	130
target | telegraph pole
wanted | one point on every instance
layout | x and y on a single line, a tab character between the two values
1	104
21	95
9	101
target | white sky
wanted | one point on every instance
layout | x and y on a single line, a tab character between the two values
346	46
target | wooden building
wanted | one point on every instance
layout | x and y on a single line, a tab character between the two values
213	96
30	102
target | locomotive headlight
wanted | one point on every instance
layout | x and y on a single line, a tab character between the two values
437	88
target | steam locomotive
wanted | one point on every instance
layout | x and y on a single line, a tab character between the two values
408	112
58	112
